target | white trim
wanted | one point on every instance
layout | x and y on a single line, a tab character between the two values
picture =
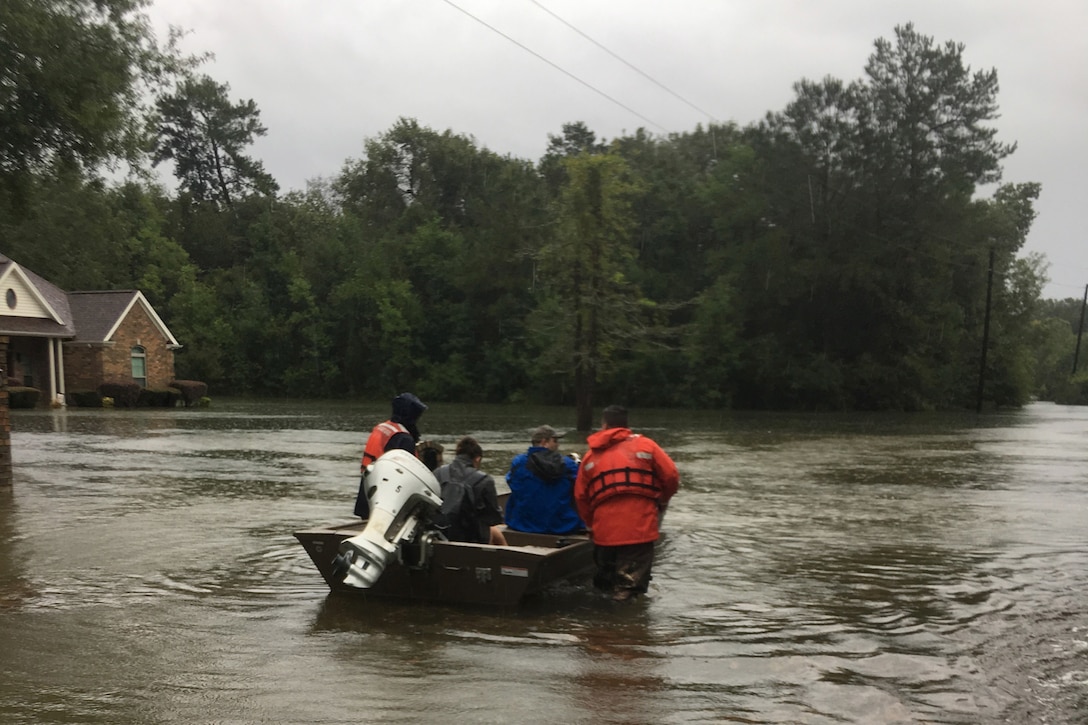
52	346
15	270
139	297
60	373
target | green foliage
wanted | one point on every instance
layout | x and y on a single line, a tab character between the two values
123	393
84	398
81	234
713	350
449	381
157	398
72	73
593	304
65	231
875	263
576	139
457	225
143	257
834	256
1053	340
189	391
204	134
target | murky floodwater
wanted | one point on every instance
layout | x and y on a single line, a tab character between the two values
817	569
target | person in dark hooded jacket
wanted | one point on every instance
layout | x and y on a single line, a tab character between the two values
541	484
470	505
400	431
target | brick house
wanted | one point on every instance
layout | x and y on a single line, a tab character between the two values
62	341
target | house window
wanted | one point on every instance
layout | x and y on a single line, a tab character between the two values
12	298
139	366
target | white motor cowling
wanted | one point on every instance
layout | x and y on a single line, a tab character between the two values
401	491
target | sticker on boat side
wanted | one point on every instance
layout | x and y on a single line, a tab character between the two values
514	571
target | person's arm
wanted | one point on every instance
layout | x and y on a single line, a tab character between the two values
513	476
581	497
667	475
491	512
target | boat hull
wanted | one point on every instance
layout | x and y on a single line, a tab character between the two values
463	573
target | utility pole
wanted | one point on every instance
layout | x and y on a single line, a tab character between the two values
1080	329
985	331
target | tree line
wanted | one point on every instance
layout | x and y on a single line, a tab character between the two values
834	255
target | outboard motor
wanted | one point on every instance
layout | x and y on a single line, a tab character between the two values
402	491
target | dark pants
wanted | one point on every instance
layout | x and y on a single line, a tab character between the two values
362	503
623	571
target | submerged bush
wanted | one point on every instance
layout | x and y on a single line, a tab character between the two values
125	394
192	391
85	399
23	397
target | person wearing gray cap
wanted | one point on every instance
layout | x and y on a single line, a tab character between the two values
541	485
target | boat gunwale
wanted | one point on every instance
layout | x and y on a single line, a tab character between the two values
527	564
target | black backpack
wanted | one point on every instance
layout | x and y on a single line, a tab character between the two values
457	518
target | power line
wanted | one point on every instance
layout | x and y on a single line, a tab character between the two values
903	246
645	75
710	116
557	67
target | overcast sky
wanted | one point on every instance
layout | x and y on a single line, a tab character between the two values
329	74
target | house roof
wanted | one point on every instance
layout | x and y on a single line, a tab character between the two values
99	313
33	306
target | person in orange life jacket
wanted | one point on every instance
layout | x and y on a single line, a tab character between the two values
399	431
623	487
470	504
542	487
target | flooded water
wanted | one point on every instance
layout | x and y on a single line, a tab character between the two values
816	569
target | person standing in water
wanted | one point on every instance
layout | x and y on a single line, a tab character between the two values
623	487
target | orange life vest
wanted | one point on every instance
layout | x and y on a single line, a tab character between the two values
623	482
379	438
623	469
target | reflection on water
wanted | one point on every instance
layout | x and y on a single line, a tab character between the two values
816	569
15	589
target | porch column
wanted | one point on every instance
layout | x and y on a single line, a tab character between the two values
52	370
60	372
